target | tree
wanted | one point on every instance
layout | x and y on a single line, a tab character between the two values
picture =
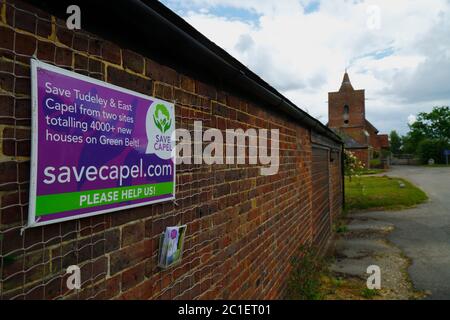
395	141
429	136
433	125
432	149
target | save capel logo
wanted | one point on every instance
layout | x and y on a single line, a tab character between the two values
162	119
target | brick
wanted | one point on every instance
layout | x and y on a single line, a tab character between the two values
17	5
6	106
187	83
95	47
11	283
185	98
205	90
146	289
16	142
22	86
63	57
221	190
7	81
80	62
8	171
161	73
36	266
99	268
6	38
65	36
163	91
44	28
95	270
220	110
22	108
46	51
133	61
133	276
22	71
112	238
133	233
12	204
95	66
25	44
132	294
113	286
25	21
129	81
111	53
80	42
35	294
131	215
23	171
33	239
90	248
129	256
159	225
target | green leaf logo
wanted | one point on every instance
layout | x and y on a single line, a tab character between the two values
161	117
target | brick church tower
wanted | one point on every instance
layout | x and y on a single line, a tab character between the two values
347	116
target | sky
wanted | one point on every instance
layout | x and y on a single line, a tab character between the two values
398	51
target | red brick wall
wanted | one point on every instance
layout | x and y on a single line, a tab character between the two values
243	228
335	183
321	197
355	99
374	142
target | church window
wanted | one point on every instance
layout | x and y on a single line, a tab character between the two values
346	114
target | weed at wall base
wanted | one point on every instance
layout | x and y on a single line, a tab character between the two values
304	282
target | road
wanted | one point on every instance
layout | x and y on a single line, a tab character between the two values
423	233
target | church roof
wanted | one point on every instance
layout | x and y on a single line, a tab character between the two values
346	84
349	142
372	126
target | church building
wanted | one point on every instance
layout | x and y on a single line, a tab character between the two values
347	117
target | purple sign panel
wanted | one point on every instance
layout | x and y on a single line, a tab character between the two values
96	147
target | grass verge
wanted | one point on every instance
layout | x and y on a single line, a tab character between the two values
386	193
366	172
311	279
337	288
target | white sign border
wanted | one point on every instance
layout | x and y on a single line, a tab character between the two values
35	64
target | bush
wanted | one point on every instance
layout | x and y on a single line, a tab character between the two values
432	149
352	165
385	154
375	163
305	279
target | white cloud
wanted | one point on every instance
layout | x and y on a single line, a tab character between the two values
403	64
411	119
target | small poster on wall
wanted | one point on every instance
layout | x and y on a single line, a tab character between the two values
171	246
96	147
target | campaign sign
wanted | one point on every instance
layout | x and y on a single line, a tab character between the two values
96	147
